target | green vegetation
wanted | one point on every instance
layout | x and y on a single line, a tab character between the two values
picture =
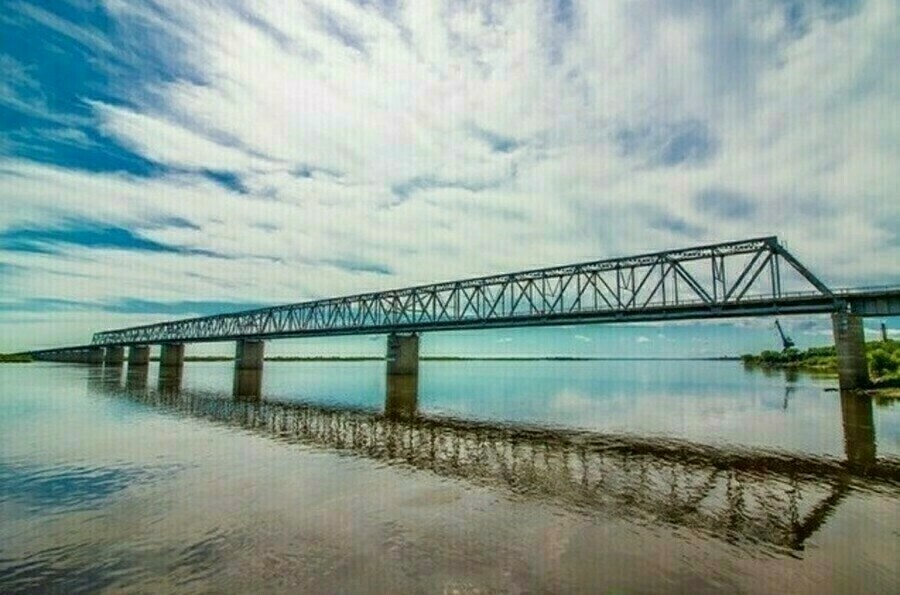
439	358
200	358
14	358
323	358
883	356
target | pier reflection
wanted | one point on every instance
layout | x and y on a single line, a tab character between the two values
401	399
737	494
170	379
859	428
247	384
110	374
136	377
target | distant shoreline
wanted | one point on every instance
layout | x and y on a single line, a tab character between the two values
883	358
450	358
427	358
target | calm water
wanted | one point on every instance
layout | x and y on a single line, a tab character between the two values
515	477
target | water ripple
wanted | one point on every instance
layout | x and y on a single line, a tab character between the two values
67	487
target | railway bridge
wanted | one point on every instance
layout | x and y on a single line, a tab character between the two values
746	278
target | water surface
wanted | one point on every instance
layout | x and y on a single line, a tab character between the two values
508	477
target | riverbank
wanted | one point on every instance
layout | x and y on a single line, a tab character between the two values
14	358
431	358
448	358
883	357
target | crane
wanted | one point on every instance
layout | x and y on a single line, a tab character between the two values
786	341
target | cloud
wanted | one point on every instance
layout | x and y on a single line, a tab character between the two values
90	234
668	144
582	338
724	203
285	151
20	90
643	339
358	266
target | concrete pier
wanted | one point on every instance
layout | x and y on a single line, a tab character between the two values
114	356
850	343
859	428
403	354
93	356
138	355
248	367
402	376
138	366
171	366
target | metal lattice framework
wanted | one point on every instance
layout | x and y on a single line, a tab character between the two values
730	279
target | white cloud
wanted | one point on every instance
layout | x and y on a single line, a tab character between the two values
445	140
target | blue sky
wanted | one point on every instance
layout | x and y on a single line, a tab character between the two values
163	158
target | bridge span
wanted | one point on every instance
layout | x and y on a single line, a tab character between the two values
754	277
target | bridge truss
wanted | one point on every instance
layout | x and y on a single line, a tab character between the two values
742	278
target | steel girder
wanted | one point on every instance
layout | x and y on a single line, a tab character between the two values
728	279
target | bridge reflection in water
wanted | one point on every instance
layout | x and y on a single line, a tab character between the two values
736	494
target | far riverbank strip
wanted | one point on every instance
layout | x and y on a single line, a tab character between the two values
883	357
443	358
433	358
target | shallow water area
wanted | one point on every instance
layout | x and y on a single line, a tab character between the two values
509	477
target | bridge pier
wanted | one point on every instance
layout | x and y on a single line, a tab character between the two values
403	354
114	356
850	344
248	367
402	376
93	356
171	366
138	366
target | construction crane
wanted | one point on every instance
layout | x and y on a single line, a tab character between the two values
786	341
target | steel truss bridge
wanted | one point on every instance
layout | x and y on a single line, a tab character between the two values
738	495
756	277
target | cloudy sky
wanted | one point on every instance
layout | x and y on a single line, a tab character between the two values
168	158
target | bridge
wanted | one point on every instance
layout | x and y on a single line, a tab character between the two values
754	277
752	496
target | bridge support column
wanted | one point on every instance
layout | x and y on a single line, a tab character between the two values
850	344
248	367
402	381
402	354
114	356
93	356
171	366
138	366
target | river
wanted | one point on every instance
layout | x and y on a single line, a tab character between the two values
491	477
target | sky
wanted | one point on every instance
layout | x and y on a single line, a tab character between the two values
162	159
